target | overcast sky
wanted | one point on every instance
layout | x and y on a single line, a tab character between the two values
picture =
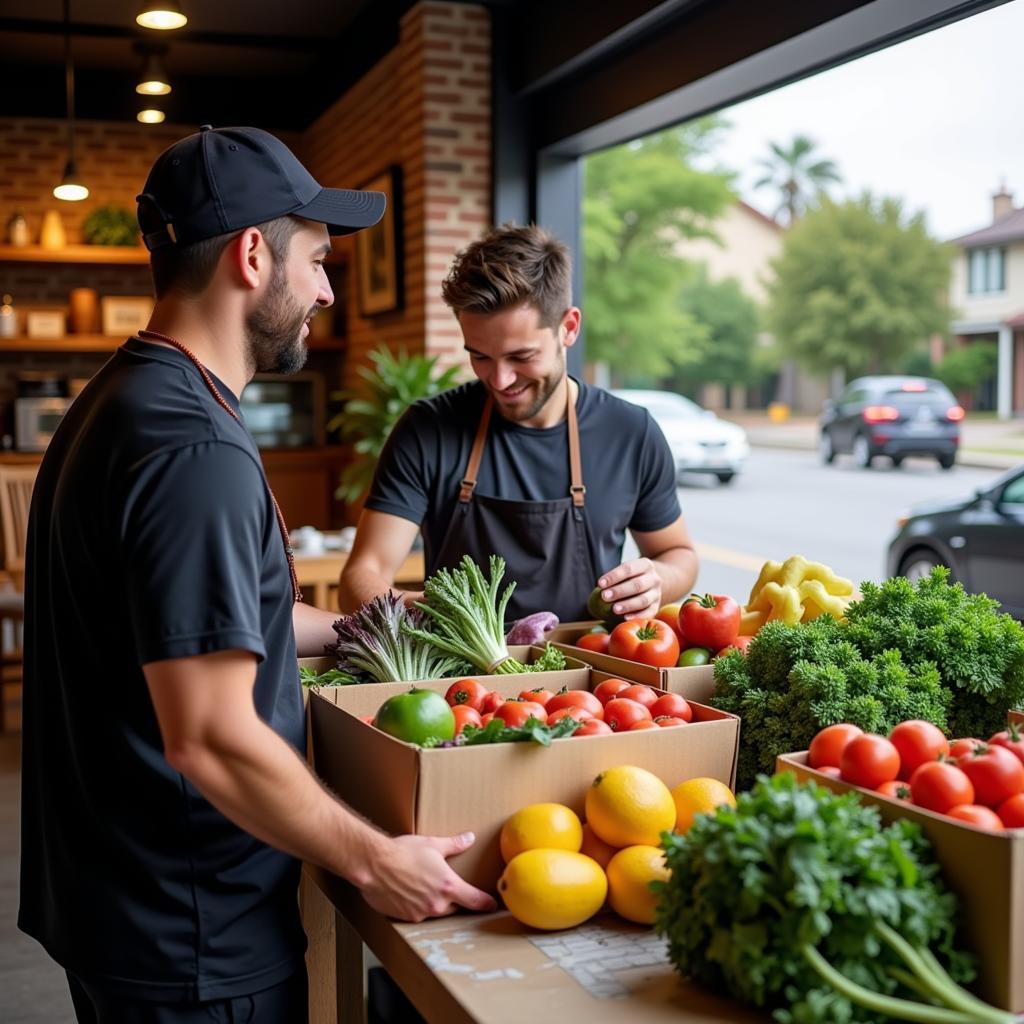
936	120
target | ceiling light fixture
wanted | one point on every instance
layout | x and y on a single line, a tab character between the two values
70	189
153	80
150	115
162	15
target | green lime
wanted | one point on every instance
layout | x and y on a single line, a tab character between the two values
694	656
416	716
601	609
597	629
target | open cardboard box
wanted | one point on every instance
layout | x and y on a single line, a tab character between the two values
1017	717
403	788
985	869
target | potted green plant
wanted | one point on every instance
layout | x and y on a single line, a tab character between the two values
365	420
111	225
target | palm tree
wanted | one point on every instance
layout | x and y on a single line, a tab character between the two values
797	174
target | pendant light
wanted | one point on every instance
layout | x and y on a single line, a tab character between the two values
150	114
154	80
163	15
70	189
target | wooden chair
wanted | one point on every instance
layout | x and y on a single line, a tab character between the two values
16	483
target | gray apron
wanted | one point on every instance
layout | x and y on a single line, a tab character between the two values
545	544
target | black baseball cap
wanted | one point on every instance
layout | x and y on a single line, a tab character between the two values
226	179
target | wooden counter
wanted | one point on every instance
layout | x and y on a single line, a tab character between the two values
320	574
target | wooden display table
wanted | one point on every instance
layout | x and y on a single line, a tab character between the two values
489	969
320	572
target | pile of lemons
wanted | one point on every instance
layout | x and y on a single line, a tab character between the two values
559	872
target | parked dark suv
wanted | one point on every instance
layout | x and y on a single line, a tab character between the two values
979	537
894	416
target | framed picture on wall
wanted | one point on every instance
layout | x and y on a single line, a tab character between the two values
378	250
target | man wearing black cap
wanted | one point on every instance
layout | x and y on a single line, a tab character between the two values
165	801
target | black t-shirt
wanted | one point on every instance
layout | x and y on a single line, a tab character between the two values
628	469
152	536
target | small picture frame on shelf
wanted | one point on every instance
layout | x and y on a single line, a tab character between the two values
45	323
378	250
125	314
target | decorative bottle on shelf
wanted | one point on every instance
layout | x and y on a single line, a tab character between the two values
84	309
52	235
17	230
8	319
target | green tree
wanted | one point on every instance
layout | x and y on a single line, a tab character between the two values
638	200
797	175
730	319
967	367
857	285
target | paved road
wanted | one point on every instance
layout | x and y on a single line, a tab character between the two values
786	503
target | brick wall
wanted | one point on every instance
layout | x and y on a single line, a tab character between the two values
426	109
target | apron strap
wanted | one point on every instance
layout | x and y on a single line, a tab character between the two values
576	488
468	484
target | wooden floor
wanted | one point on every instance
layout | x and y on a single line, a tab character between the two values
33	989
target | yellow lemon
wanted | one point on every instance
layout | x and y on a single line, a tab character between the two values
541	826
630	873
553	889
629	806
596	848
699	796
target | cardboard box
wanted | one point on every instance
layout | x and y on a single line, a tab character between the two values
984	869
696	683
403	788
1017	717
568	632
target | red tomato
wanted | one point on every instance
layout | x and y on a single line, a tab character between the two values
538	696
491	702
917	742
649	641
580	714
468	692
670	721
485	718
940	786
895	789
644	723
641	693
978	816
827	746
670	613
830	770
674	705
576	699
957	748
1012	739
869	761
995	773
466	715
609	688
516	712
741	643
1011	812
593	727
620	714
710	620
597	642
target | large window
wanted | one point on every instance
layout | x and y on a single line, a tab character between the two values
986	271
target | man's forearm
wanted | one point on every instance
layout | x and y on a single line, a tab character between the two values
677	569
314	628
360	584
255	779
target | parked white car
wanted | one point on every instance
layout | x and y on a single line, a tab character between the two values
699	440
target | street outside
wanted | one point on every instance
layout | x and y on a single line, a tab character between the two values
787	503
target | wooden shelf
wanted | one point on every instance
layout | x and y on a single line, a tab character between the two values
69	343
108	254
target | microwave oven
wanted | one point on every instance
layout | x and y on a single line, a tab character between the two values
36	419
285	411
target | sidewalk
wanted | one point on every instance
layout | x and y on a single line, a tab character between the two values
985	443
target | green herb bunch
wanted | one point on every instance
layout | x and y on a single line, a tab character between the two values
799	901
796	679
978	651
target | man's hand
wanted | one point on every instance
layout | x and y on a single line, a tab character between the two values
413	881
410	597
633	589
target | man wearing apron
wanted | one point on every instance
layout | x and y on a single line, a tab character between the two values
525	462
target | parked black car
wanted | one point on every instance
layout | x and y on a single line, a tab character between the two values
894	416
980	539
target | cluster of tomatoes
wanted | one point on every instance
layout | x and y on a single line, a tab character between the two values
981	783
615	705
688	634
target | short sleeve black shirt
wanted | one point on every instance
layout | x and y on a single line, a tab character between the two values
152	536
628	468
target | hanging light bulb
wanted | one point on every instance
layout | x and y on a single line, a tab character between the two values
154	80
162	15
150	115
70	189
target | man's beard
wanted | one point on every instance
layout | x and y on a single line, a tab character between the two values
546	387
272	330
